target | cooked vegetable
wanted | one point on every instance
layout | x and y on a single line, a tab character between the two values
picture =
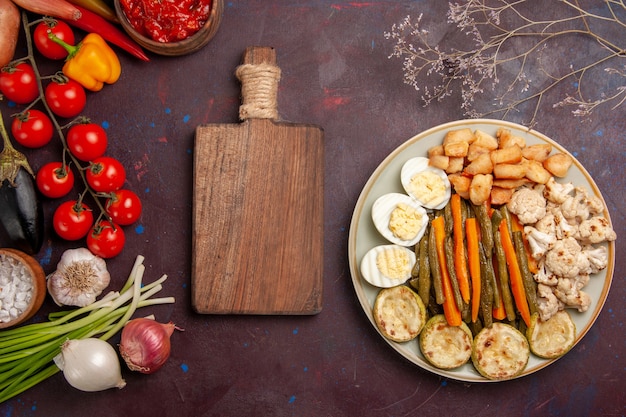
424	276
435	269
92	62
145	344
92	23
460	256
28	351
399	313
500	352
9	30
21	213
90	365
445	346
450	307
530	286
56	8
551	338
473	255
515	275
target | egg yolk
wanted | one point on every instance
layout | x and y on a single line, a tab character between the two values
393	263
405	222
428	187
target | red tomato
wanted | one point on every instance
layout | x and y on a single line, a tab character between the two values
53	181
124	207
32	129
72	220
18	83
87	141
66	99
106	174
46	46
106	239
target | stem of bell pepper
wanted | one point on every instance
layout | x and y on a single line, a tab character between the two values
91	22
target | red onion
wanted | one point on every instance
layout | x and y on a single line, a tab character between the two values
145	344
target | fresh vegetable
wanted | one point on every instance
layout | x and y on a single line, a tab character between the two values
90	365
399	313
471	226
551	338
92	23
106	239
99	7
92	62
515	275
72	220
145	344
18	83
79	278
65	97
106	174
56	8
21	213
55	180
28	351
86	141
48	47
9	30
445	346
450	307
124	207
500	352
32	129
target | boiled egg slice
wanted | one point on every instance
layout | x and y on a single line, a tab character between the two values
386	266
428	185
399	218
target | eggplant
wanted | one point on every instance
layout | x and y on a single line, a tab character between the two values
21	212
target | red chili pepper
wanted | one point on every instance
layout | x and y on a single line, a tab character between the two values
91	22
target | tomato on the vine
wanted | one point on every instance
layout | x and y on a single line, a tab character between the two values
46	46
66	98
124	207
54	180
106	239
72	220
32	129
106	174
87	141
18	83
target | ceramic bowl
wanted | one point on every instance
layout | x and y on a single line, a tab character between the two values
184	47
12	259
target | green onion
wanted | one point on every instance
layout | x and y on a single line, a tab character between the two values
27	352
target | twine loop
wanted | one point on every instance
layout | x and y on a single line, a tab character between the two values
259	90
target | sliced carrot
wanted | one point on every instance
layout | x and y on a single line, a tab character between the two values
450	309
516	225
460	263
472	232
515	275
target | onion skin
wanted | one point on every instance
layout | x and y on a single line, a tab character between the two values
145	344
9	30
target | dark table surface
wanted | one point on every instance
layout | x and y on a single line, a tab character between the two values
336	74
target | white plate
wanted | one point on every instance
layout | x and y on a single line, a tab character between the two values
386	179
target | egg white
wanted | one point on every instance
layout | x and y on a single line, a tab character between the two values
381	214
371	273
420	164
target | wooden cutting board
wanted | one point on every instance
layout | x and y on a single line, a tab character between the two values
258	205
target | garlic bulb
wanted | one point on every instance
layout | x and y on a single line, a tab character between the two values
80	277
90	365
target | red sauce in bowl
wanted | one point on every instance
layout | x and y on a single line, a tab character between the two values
167	20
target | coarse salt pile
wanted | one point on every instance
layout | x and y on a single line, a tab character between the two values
16	288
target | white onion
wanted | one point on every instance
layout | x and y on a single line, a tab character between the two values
90	365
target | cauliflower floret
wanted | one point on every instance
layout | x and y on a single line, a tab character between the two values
595	205
563	227
598	258
547	224
566	258
547	303
595	230
568	292
556	192
544	276
528	204
575	207
540	242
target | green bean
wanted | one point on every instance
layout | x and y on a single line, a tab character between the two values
449	252
447	217
424	277
529	281
416	267
434	267
486	290
485	228
503	274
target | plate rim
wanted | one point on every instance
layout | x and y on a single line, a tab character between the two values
357	214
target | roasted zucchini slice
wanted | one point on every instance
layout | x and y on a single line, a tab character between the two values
399	313
445	346
500	352
551	338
